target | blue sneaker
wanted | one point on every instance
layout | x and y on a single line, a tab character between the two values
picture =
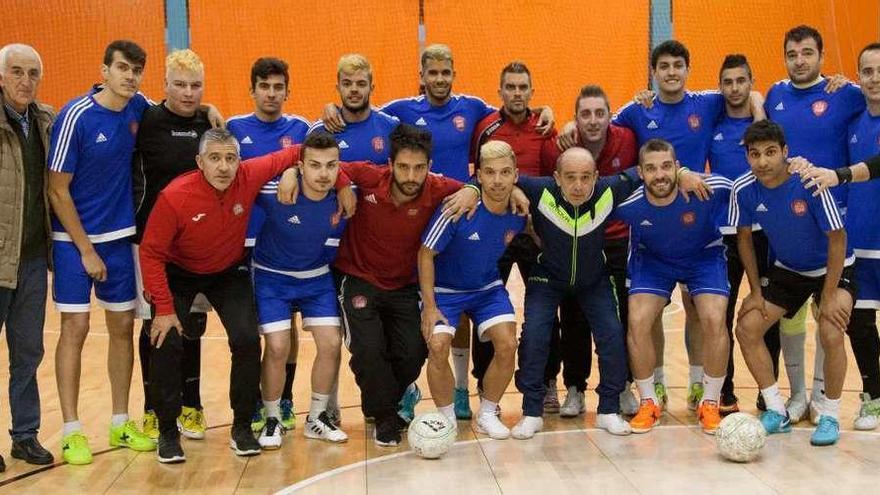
462	404
774	422
407	406
827	433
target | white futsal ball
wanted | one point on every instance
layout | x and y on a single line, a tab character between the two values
431	435
740	437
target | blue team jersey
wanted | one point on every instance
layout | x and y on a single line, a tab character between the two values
258	138
469	249
451	124
794	220
688	124
727	154
365	141
815	122
863	204
96	145
680	231
297	238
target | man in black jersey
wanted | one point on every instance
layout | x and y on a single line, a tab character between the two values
167	145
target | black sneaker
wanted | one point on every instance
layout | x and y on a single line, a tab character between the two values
2	464
402	423
169	450
30	451
729	404
760	403
243	441
387	432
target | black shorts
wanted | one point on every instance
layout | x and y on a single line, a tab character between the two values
790	290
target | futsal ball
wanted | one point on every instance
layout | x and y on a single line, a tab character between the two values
740	437
431	435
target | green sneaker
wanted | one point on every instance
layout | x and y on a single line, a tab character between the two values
258	421
662	396
150	425
869	413
695	395
129	436
75	449
288	417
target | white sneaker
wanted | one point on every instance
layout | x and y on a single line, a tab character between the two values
869	414
815	411
629	405
270	435
797	407
489	424
574	404
527	427
322	428
613	423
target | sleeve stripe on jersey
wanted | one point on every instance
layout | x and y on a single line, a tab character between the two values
436	231
239	117
67	131
733	209
831	211
290	116
314	127
721	182
635	196
623	108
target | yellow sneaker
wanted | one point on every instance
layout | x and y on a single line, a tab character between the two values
647	417
191	423
710	416
150	425
75	449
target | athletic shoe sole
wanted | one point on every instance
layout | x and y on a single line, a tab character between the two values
242	452
192	435
176	459
483	431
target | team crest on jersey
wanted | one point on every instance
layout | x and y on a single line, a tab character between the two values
819	107
286	142
237	209
688	218
378	144
359	302
694	121
133	127
459	123
508	237
799	207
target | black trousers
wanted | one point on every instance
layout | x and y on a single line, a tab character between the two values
735	273
383	334
231	294
865	342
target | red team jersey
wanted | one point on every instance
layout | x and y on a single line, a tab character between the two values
535	153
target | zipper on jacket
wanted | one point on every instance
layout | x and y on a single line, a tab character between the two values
574	249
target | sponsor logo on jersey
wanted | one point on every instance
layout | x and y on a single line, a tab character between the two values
819	107
237	209
199	217
652	125
646	223
688	218
247	140
459	122
286	142
474	237
101	138
294	220
343	145
761	208
359	302
189	134
780	106
694	121
421	121
799	207
378	144
412	212
718	137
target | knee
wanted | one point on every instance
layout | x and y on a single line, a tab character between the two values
830	336
743	334
328	345
713	326
277	347
438	348
505	347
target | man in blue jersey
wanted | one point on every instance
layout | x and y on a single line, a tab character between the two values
815	125
807	236
458	274
90	190
263	131
675	241
366	131
291	264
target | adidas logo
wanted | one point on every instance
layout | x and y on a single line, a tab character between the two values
371	198
854	139
101	138
646	223
652	125
343	145
421	121
247	140
780	106
761	208
474	237
294	220
718	137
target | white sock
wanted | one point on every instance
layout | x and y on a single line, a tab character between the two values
72	426
830	407
460	362
695	374
819	369
318	405
487	407
449	412
118	419
273	408
712	387
333	400
793	354
773	399
659	376
646	389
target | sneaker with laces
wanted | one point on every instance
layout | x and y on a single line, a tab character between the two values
629	405
614	424
662	396
774	422
869	413
407	406
335	416
729	403
169	450
129	436
489	424
242	441
647	417
695	395
826	433
191	423
709	415
796	407
288	416
527	427
75	449
150	425
270	435
551	398
462	404
321	428
386	432
259	419
574	404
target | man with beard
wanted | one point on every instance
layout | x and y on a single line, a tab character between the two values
675	241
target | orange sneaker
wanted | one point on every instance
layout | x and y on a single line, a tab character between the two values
709	415
648	416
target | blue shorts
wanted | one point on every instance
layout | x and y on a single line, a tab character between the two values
485	307
278	295
704	275
868	283
72	286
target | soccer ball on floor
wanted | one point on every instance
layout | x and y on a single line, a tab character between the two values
431	435
740	437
